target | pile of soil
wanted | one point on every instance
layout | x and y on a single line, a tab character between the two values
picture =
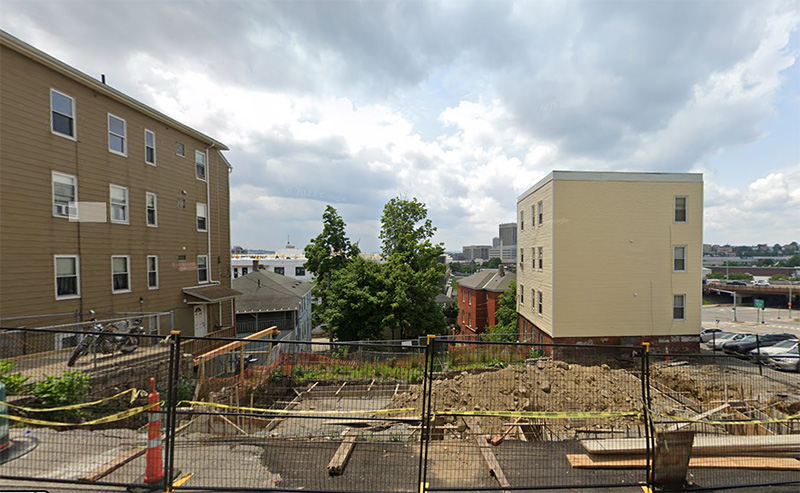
544	385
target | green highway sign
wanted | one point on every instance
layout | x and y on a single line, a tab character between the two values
758	303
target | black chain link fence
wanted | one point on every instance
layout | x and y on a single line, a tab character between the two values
260	414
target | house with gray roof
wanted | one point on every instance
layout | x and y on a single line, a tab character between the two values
270	299
478	299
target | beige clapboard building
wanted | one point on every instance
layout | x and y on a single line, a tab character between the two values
106	204
611	258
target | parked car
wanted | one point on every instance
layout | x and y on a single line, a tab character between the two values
736	283
744	345
709	334
789	361
760	282
761	354
716	343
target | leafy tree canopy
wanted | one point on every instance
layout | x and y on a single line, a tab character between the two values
506	316
332	249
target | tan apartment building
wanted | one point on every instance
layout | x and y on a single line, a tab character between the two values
105	203
611	258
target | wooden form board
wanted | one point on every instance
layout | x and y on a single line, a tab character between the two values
585	461
339	461
491	461
233	345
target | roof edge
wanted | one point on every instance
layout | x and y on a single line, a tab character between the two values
37	55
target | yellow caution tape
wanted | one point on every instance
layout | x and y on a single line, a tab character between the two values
134	395
737	422
541	414
289	412
106	419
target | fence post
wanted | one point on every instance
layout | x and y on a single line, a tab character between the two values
425	417
169	407
649	428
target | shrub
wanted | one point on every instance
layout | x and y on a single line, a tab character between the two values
13	380
70	388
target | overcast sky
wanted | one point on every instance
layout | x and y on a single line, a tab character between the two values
462	104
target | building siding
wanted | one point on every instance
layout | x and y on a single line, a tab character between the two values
30	235
608	258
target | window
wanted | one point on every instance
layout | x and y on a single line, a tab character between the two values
521	294
540	302
202	268
278	270
235	272
119	204
679	258
120	274
469	318
151	209
62	114
521	258
202	216
116	135
67	271
678	306
149	147
65	192
299	271
463	316
533	216
180	149
200	165
463	296
244	271
541	213
522	220
541	258
152	272
533	294
680	209
533	257
469	298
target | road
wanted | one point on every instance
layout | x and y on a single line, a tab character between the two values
749	319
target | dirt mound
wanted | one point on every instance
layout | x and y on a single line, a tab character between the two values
544	385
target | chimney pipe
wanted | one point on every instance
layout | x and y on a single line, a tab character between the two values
501	270
255	265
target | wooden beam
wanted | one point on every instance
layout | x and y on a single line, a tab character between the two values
337	464
233	345
491	461
698	417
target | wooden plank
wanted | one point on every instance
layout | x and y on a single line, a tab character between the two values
122	459
699	417
339	461
491	461
671	459
233	345
585	461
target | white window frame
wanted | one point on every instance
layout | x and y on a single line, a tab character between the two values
297	271
146	146
685	209
675	259
77	260
204	216
522	258
279	270
126	205
682	306
68	209
521	294
154	271
127	272
198	165
533	216
180	146
541	259
199	279
73	116
539	304
123	136
147	209
522	220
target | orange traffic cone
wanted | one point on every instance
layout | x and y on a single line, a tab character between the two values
666	358
154	465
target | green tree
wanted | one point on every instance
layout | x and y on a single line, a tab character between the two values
329	252
411	269
493	263
506	316
356	306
